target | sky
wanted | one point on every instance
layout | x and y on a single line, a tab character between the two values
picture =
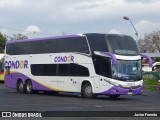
42	18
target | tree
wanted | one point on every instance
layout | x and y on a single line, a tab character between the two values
150	43
18	36
3	40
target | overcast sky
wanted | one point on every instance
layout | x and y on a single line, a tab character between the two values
56	17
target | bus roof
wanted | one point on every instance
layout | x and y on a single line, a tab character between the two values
38	39
57	37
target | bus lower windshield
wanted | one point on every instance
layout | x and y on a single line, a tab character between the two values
127	70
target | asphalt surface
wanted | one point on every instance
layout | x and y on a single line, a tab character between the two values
11	100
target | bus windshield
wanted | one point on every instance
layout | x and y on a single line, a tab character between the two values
117	44
122	45
127	70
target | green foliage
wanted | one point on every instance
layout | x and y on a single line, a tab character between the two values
150	42
3	40
148	81
150	84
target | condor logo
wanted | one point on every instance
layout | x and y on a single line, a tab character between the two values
23	64
69	58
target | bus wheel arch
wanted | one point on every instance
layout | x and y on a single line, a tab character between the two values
20	86
87	90
28	86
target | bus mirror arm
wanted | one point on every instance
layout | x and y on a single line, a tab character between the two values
111	55
147	57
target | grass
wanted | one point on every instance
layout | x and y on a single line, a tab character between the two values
150	84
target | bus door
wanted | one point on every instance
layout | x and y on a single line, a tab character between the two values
96	83
104	84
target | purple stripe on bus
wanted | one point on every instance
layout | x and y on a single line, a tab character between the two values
149	59
37	86
11	81
46	38
137	91
115	90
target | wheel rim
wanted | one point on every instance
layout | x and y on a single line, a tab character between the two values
21	87
29	87
88	90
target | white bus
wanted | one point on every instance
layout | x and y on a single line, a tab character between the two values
91	64
1	67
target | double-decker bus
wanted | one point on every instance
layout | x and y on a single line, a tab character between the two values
91	64
1	67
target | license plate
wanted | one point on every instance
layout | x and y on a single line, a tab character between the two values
130	84
130	93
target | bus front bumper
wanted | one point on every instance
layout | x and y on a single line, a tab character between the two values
116	90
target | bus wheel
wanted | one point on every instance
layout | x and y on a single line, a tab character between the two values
114	96
20	87
29	87
87	91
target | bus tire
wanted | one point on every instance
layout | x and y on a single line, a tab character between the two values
87	91
29	87
20	87
114	96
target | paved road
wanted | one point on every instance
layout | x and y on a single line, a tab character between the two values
10	100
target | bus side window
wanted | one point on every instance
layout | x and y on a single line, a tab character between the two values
102	66
78	70
63	69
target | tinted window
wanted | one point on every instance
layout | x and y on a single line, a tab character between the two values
17	48
43	69
83	71
102	66
97	42
50	70
72	45
122	45
73	70
63	70
45	46
78	70
75	44
118	44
